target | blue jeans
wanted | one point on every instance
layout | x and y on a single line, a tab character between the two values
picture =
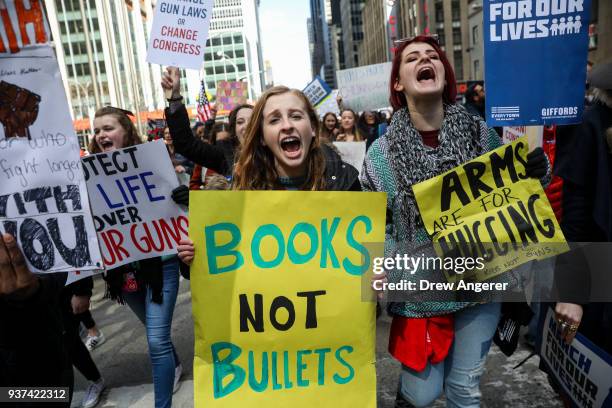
157	319
459	374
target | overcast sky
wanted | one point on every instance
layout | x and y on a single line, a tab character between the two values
285	40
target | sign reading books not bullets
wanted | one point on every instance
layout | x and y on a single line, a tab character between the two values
535	61
179	33
43	198
134	215
277	297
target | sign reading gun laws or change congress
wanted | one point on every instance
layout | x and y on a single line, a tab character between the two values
491	199
583	369
276	294
130	191
43	198
525	43
365	88
179	33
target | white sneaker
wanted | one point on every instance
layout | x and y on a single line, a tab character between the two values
93	393
95	341
178	371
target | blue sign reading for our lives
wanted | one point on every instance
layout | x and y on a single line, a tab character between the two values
535	61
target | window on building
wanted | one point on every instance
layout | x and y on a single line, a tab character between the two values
439	12
441	38
476	70
456	35
458	57
475	35
456	10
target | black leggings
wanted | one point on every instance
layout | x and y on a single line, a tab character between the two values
79	354
87	319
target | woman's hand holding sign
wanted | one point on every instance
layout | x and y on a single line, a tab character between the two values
536	163
186	251
171	83
568	317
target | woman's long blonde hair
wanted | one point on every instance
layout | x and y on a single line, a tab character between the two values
131	134
256	168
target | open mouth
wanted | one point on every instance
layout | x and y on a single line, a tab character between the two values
291	145
106	144
425	74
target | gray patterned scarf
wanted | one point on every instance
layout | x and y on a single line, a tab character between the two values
413	162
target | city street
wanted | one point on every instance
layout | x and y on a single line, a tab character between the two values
124	363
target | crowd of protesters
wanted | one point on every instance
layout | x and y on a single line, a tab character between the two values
279	143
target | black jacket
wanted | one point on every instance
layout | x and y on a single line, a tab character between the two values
32	351
586	169
196	150
339	176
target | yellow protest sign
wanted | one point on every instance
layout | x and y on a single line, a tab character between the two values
276	295
491	200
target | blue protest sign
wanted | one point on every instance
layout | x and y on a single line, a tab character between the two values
316	91
535	61
581	369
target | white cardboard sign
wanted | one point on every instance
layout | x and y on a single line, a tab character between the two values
43	198
179	33
365	88
130	191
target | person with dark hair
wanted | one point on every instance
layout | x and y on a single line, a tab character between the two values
442	345
348	127
199	131
369	127
329	128
219	134
475	100
181	163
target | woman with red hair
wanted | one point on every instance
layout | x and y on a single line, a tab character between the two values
441	343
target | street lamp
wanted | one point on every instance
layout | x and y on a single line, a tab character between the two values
84	90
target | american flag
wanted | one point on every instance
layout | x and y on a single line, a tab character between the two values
203	105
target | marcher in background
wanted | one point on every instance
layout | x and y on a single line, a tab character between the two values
75	301
442	345
475	100
150	286
369	126
199	131
282	151
219	133
29	312
181	163
329	128
348	127
219	157
587	198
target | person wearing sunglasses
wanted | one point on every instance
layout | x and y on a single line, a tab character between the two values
441	344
